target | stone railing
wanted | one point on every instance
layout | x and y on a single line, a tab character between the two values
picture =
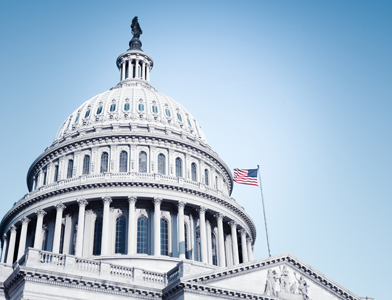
68	263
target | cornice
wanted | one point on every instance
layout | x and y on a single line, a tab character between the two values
25	274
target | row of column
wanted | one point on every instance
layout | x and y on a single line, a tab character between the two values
246	243
133	65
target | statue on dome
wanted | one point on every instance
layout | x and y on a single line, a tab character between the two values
136	30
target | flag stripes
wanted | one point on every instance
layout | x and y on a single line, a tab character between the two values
246	176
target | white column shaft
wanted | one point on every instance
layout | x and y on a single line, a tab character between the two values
131	228
181	233
38	232
203	239
123	66
136	68
243	247
234	241
11	247
148	73
250	252
209	241
157	228
57	231
22	240
5	243
79	237
105	228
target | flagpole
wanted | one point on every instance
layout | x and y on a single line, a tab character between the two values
265	219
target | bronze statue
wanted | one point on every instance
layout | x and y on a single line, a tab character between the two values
136	30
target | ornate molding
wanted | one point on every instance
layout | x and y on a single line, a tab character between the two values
107	200
25	220
233	224
219	216
181	204
82	202
157	200
132	199
202	209
13	228
40	213
60	206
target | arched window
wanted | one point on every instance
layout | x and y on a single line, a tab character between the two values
87	114
113	107
206	176
154	109
120	235
86	165
178	167
56	173
141	107
143	162
214	252
142	235
99	110
77	118
167	112
193	171
189	122
179	117
70	168
104	162
186	241
126	106
161	164
123	161
97	236
164	238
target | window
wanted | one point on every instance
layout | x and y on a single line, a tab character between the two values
87	114
189	122
193	171
62	238
154	109
186	241
198	248
123	161
77	118
36	182
179	117
56	173
206	176
104	162
143	162
167	112
99	110
164	238
126	106
178	167
161	164
142	235
113	107
120	235
45	172
70	168
97	236
86	165
214	253
141	107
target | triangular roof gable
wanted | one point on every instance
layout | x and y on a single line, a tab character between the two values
253	277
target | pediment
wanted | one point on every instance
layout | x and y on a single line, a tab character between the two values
282	277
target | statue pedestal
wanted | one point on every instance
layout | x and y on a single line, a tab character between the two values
288	296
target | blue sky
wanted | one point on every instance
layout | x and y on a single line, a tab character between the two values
302	88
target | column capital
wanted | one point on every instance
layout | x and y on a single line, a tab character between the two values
242	231
82	202
232	224
25	220
249	240
208	222
181	204
219	216
4	237
13	228
107	199
132	199
59	206
157	200
40	213
202	209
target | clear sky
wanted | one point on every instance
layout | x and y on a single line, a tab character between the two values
302	88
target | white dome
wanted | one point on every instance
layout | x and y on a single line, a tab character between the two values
131	105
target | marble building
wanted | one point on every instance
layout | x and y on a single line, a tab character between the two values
130	202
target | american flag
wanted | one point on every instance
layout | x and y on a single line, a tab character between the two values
246	176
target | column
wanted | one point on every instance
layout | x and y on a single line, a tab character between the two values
136	68
148	73
5	242
67	234
234	241
131	226
181	233
203	239
79	238
221	240
57	227
191	249
123	66
209	241
38	229
143	70
23	233
243	246
249	246
11	247
105	225
157	225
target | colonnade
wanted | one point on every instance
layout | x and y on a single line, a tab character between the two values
204	227
135	68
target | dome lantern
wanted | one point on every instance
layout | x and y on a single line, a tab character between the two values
135	64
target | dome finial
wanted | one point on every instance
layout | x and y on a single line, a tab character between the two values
135	43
